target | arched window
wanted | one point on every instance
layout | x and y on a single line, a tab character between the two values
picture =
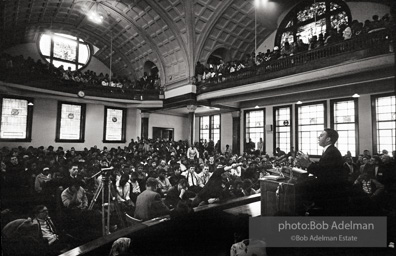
66	50
312	18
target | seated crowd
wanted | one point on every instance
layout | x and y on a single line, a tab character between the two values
149	179
217	72
15	66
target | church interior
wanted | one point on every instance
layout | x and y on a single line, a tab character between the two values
127	88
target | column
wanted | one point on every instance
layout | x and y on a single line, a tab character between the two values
236	132
191	120
144	125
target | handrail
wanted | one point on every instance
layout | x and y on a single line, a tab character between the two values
92	245
377	42
47	82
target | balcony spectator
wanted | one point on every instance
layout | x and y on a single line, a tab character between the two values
276	53
301	46
286	50
347	33
313	43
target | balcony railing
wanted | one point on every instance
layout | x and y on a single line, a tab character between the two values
43	81
363	46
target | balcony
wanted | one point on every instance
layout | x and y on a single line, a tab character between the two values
358	48
29	78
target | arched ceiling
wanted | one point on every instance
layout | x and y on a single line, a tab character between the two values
173	34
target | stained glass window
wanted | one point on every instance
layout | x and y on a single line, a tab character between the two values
114	125
311	29
344	121
255	124
310	18
71	120
311	122
16	116
311	11
385	122
66	50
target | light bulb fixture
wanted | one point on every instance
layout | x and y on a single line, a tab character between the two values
299	102
355	95
30	104
256	106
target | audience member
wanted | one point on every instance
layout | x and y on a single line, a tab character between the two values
149	204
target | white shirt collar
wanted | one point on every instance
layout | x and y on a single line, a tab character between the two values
325	148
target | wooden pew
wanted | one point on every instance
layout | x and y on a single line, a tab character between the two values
205	209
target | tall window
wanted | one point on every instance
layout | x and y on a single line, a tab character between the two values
215	128
16	119
70	122
209	128
114	125
255	124
66	50
312	18
384	114
311	121
345	121
282	127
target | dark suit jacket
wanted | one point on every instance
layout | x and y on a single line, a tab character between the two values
149	205
330	186
329	169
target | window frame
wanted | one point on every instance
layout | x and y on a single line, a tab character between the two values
29	121
212	129
51	50
292	15
356	105
324	102
245	113
123	129
211	118
374	120
82	122
275	126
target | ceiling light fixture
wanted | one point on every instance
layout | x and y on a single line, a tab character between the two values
30	104
355	95
299	102
256	106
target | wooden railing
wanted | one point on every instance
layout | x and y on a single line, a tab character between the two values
49	83
106	241
363	46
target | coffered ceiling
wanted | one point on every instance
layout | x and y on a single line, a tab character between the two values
173	34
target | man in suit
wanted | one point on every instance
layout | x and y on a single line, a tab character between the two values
329	187
149	204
